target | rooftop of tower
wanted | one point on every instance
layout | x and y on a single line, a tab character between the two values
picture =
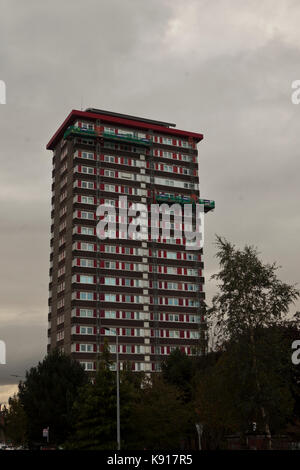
122	120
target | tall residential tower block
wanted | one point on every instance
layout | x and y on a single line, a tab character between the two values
147	292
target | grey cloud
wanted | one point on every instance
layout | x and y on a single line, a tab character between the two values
220	68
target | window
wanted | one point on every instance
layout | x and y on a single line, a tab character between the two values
109	145
87	200
86	296
110	297
87	215
87	185
110	202
60	335
86	279
86	263
87	169
109	159
86	330
87	365
110	249
86	348
109	130
87	141
110	314
109	173
87	247
86	125
171	255
125	132
87	231
86	313
87	155
109	187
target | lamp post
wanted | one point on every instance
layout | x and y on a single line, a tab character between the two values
118	389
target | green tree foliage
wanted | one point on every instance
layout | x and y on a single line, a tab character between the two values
95	410
228	400
162	418
251	301
47	396
16	421
250	294
179	370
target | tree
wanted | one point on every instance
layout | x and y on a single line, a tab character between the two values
47	396
179	370
161	416
95	412
227	396
250	298
16	421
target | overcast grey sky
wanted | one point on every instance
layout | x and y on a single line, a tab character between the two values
220	67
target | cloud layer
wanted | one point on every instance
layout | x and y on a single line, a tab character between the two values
221	68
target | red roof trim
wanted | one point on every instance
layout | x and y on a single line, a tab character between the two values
126	122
